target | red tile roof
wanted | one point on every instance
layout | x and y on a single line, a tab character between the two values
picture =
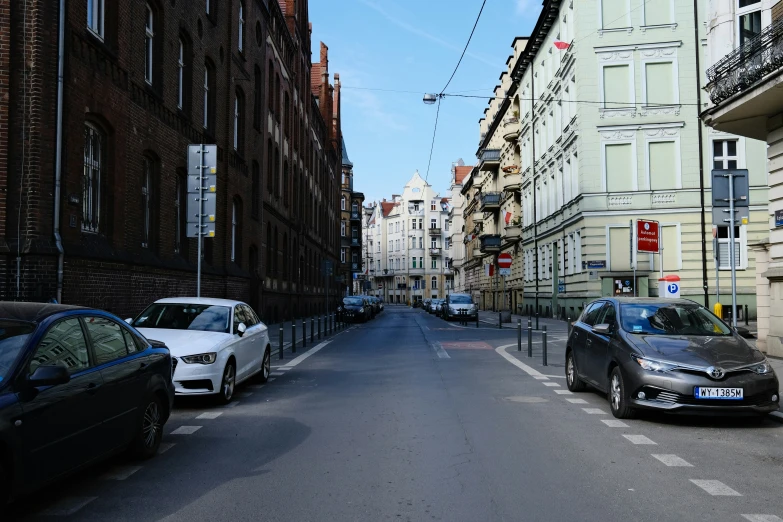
387	207
461	172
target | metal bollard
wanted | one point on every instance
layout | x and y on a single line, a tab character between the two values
536	320
304	333
529	340
568	326
500	320
543	343
519	335
293	336
312	330
477	319
319	327
280	351
747	320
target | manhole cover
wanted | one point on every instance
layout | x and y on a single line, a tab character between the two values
526	399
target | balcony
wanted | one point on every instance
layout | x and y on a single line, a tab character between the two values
355	267
490	159
490	201
435	252
476	252
478	217
435	231
490	243
356	215
753	70
511	129
512	180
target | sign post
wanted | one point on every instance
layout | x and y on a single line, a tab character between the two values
649	241
201	204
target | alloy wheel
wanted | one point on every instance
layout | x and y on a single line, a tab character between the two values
616	392
266	365
151	424
570	369
228	382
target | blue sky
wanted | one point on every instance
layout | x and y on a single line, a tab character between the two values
413	45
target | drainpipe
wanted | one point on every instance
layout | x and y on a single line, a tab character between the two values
58	166
701	155
533	170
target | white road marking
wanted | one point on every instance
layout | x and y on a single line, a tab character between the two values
716	488
762	518
613	423
284	368
443	354
186	430
594	411
577	401
563	392
165	446
550	384
232	404
673	460
555	376
516	362
315	349
67	506
639	439
210	415
277	374
272	379
120	472
540	378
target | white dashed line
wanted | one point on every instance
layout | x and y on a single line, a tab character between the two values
576	401
541	377
562	392
67	506
442	354
284	368
555	376
277	374
550	384
315	349
210	415
186	430
673	460
639	439
762	518
614	423
120	472
716	488
594	411
165	446
272	379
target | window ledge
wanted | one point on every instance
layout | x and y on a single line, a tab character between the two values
672	26
601	32
617	112
655	110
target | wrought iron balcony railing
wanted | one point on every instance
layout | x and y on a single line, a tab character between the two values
490	201
748	64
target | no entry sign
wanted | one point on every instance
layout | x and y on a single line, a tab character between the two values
648	236
505	260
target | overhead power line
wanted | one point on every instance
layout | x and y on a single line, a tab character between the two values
466	47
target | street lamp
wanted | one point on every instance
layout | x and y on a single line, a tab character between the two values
430	99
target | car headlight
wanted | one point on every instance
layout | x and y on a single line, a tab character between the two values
202	358
761	368
361	310
653	366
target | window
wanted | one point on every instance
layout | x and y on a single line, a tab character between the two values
620	167
434	284
342	203
241	27
239	121
663	164
591	313
413	261
95	17
181	75
617	89
286	115
64	343
434	263
149	47
421	242
269	169
433	223
658	12
434	243
257	97
92	188
342	228
397	226
271	88
660	83
748	20
146	199
724	154
611	17
207	6
433	205
236	231
415	207
255	191
421	224
108	342
277	172
268	250
740	254
342	254
209	97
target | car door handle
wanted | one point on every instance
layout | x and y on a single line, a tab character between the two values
92	388
142	366
589	342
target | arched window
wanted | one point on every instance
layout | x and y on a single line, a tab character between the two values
92	182
241	27
255	192
236	231
209	97
342	203
257	97
149	43
239	121
434	283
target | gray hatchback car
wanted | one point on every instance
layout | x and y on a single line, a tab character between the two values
671	355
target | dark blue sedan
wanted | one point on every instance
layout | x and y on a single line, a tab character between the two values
76	385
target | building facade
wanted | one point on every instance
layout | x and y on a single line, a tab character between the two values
95	211
412	245
745	74
351	214
582	139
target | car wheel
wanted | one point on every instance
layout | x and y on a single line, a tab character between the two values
575	384
266	366
150	432
618	397
228	383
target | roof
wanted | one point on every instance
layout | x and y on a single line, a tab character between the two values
32	312
461	172
200	300
387	207
346	161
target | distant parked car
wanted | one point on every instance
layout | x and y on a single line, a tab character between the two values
435	305
375	304
216	343
76	385
457	305
356	309
669	355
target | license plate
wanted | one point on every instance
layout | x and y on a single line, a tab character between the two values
719	393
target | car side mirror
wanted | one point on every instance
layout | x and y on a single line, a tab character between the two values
241	329
602	329
50	375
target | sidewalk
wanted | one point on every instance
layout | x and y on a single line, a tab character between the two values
493	318
274	335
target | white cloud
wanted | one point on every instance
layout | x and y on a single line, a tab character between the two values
526	8
372	107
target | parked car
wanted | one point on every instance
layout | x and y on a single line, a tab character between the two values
355	308
669	355
76	385
374	304
216	343
425	304
435	306
457	304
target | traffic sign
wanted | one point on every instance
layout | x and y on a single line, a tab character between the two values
648	236
504	272
505	260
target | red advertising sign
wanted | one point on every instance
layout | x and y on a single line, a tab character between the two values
648	236
505	260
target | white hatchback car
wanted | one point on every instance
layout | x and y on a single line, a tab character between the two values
215	344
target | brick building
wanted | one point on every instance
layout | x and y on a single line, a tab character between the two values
142	80
352	212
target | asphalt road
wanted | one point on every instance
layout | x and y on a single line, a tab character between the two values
408	417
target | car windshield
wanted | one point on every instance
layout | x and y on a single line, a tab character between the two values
670	319
460	299
203	317
13	336
353	301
